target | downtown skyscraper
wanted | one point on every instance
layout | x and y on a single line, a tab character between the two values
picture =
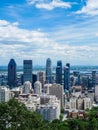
59	72
12	80
49	70
93	79
67	77
27	71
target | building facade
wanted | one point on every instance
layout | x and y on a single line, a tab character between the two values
37	87
59	72
27	71
41	77
93	79
67	77
27	87
12	78
5	94
49	70
57	89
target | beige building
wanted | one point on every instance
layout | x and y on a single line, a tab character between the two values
44	98
73	103
96	93
41	77
80	103
57	89
87	103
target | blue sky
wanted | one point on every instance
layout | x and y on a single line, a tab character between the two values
64	30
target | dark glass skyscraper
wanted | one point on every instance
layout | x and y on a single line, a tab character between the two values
27	71
12	81
67	77
59	72
49	70
93	79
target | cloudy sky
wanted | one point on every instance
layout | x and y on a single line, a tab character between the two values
64	30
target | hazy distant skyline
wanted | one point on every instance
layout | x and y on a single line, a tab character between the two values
64	30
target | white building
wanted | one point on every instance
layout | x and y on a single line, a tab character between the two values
49	112
45	98
80	103
87	103
73	103
46	88
5	94
37	87
31	102
27	87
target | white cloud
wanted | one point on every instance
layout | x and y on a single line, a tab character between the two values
91	8
3	23
11	32
96	34
49	5
25	44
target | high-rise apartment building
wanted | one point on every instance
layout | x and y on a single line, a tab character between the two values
67	77
96	93
5	94
27	71
37	87
59	72
57	89
12	80
41	77
50	111
27	87
49	70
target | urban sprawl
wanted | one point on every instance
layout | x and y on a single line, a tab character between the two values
47	93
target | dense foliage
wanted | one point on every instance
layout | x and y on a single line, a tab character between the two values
15	116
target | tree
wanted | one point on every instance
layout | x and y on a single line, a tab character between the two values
15	116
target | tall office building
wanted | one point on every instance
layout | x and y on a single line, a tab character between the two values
34	79
93	79
67	77
12	81
59	72
49	70
89	86
27	71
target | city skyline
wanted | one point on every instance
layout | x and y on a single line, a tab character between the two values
59	29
